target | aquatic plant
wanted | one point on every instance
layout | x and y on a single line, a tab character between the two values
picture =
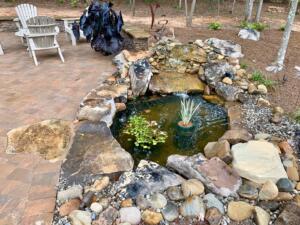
145	133
188	110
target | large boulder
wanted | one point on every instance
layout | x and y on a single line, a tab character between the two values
249	34
140	75
214	173
228	92
148	177
258	161
224	47
94	152
167	82
215	72
50	138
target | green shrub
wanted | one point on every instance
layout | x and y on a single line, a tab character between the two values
260	78
145	133
243	65
214	26
74	3
253	26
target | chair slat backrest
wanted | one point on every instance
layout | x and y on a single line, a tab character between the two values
40	25
25	12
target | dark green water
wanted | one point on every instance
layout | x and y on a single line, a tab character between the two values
210	124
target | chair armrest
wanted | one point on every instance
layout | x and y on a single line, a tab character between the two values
29	35
17	22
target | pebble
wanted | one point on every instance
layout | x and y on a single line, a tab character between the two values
298	186
268	191
292	173
193	207
175	193
263	102
252	88
262	89
239	211
211	201
261	216
157	201
284	185
131	215
285	148
70	193
170	212
262	136
96	207
104	202
284	196
227	80
126	203
192	187
297	200
151	218
79	217
269	205
213	216
142	202
248	191
69	206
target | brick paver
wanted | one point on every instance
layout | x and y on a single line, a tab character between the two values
30	94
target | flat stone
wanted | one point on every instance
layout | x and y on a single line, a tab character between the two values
214	173
151	218
289	216
130	215
257	161
269	191
78	217
192	187
50	138
236	136
170	212
94	152
285	185
239	210
193	207
261	216
211	201
172	82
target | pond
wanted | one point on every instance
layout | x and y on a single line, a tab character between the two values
210	124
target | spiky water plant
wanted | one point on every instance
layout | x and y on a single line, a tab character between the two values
188	110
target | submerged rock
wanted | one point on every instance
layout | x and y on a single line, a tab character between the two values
258	161
213	173
50	138
94	152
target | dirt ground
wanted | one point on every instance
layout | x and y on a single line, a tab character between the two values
258	55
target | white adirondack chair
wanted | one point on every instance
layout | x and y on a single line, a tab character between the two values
41	35
68	22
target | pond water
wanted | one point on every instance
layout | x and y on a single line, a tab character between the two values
210	124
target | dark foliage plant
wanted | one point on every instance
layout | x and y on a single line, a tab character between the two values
102	27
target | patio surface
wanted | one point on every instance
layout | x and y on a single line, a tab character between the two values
30	94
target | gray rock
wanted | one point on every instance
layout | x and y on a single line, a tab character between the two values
214	173
249	34
170	212
269	205
215	72
285	185
140	75
121	63
193	207
228	92
248	191
70	193
175	193
157	201
289	216
107	217
211	201
224	47
94	152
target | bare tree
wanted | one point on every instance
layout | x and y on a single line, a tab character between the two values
258	11
248	10
189	14
132	2
180	4
232	7
279	63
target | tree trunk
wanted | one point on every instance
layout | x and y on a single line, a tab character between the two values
180	4
189	15
258	12
218	7
232	7
278	65
133	7
248	10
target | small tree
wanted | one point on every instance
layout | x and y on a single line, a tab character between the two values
258	11
279	63
189	14
248	10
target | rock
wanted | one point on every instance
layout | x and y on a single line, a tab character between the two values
157	201
269	205
120	106
278	109
127	203
201	71
193	207
151	218
261	216
170	212
70	193
98	185
240	72
228	92
96	207
50	138
87	199
167	82
285	148
292	173
226	48
199	43
243	84
121	63
148	177
107	217
235	136
215	72
284	196
249	163
211	201
215	99
130	215
219	149
213	173
213	216
248	191
297	200
117	92
142	202
298	186
285	185
263	102
262	136
249	34
134	56
175	193
289	216
104	202
262	89
78	217
140	75
69	206
239	210
252	88
94	152
277	118
227	80
269	191
192	187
